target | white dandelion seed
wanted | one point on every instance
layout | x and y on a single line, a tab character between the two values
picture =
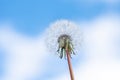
59	28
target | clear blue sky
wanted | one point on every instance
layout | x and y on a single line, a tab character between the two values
31	17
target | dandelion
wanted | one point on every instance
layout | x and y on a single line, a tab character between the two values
64	38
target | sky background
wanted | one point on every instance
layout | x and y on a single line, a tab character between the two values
23	53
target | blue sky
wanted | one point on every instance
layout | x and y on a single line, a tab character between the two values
23	23
31	17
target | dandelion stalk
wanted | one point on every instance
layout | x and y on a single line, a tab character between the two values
68	52
70	65
65	44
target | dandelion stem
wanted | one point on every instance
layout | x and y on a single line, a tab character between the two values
70	65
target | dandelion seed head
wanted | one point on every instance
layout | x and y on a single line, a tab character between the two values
63	27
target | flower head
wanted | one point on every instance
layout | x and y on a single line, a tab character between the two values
62	35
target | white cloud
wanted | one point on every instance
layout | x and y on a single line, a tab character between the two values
25	56
100	36
100	50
